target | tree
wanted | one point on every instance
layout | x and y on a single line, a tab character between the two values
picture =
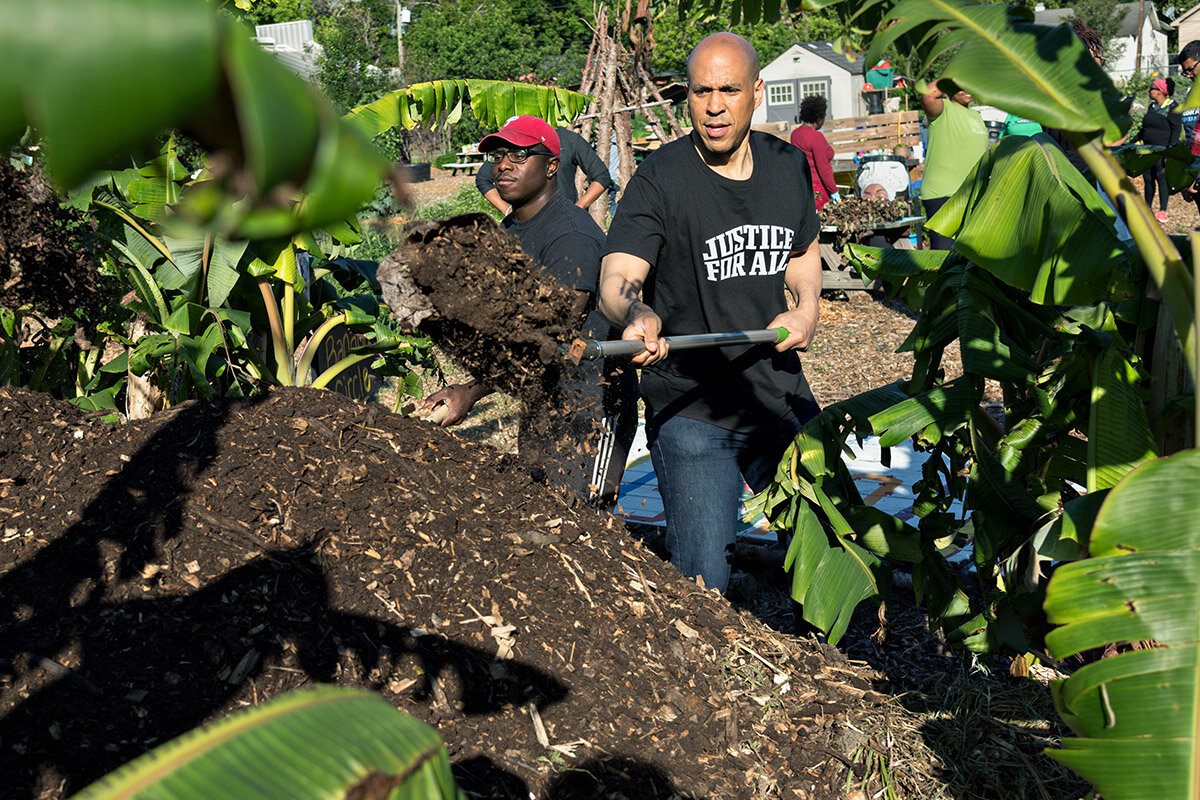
674	37
359	49
498	40
265	13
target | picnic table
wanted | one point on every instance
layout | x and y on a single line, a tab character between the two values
837	272
467	160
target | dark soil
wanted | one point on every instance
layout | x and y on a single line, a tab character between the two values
503	318
160	574
44	257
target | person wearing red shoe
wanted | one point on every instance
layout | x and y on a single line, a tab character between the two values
1161	126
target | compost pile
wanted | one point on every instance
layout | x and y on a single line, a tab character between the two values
470	286
44	254
854	215
163	573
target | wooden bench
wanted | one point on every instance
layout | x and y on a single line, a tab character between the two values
851	135
468	166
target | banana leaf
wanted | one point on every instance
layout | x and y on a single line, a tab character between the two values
100	79
1119	436
1181	164
328	742
1003	59
1028	217
492	103
1137	713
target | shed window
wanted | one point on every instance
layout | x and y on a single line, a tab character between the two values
780	94
819	88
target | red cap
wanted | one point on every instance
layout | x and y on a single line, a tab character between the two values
523	132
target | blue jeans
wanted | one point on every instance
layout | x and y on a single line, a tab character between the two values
700	468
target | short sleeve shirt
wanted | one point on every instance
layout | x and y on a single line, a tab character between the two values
718	250
957	140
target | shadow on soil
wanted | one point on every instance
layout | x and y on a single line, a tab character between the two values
986	728
92	675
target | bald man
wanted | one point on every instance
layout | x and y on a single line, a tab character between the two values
711	231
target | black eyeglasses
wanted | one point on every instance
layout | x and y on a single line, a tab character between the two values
515	156
1189	72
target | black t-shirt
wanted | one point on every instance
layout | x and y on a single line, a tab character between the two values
1161	126
718	250
564	239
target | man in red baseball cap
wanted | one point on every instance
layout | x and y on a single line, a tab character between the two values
522	131
585	448
573	152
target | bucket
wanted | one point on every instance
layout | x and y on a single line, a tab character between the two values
415	173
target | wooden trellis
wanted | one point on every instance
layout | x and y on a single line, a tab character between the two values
616	75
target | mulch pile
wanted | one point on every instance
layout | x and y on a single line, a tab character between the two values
160	574
44	254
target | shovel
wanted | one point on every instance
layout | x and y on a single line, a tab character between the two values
590	349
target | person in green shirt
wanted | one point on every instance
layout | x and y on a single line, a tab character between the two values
1019	126
957	140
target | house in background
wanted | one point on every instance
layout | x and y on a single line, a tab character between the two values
293	44
810	68
1155	51
1188	25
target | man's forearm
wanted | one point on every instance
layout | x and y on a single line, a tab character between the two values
804	277
594	190
621	300
493	197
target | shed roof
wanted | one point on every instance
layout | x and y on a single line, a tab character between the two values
1186	15
827	51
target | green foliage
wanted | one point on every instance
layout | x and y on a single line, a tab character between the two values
1049	75
467	200
491	103
674	38
197	71
1038	313
498	40
327	742
1138	713
266	12
358	42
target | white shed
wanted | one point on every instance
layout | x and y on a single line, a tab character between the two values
810	68
293	44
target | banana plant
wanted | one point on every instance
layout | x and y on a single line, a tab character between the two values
307	744
491	103
1138	712
153	66
1043	314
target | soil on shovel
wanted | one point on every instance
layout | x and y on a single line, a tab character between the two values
471	287
163	573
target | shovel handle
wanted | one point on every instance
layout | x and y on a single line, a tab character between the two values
589	349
